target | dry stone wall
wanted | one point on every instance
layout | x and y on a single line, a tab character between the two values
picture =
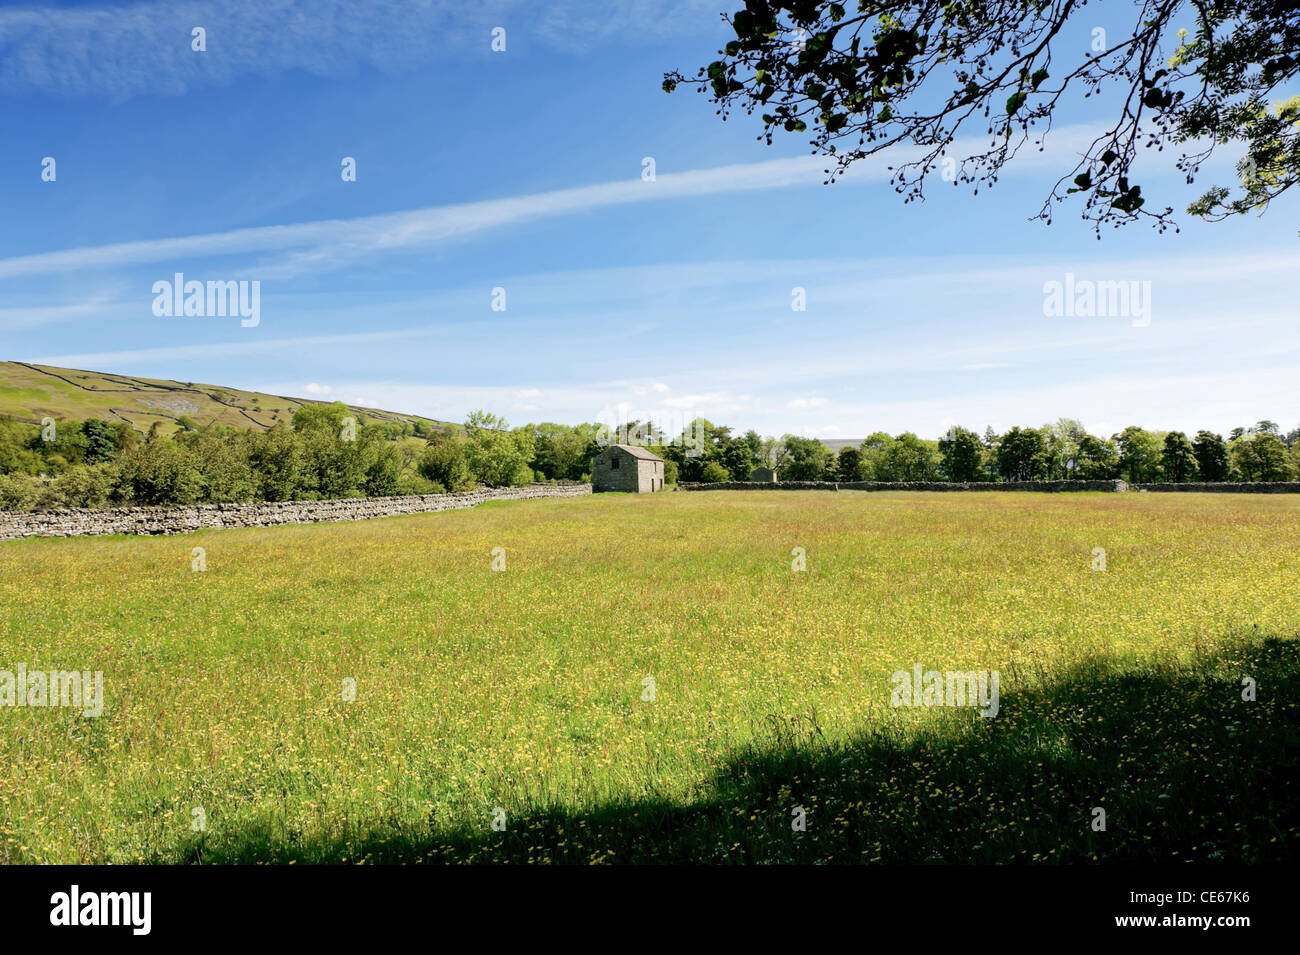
76	522
758	486
1048	486
908	486
1258	487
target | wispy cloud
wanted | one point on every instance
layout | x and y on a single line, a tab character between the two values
145	48
327	241
13	319
323	244
231	349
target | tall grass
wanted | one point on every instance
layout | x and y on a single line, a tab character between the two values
522	690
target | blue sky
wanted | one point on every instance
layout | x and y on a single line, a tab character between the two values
522	170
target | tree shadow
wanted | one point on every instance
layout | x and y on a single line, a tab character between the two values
1184	769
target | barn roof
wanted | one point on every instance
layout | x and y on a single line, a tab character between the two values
638	452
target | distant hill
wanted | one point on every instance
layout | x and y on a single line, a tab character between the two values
836	443
32	392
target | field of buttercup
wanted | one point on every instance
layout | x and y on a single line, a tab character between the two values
650	679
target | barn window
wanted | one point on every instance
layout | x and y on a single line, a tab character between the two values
613	463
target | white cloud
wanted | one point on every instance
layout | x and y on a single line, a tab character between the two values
720	400
125	50
314	389
14	319
231	349
802	403
328	243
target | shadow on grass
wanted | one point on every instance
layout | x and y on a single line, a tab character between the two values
1183	767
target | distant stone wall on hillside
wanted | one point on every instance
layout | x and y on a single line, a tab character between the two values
76	522
909	486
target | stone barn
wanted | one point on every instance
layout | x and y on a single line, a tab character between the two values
625	467
763	476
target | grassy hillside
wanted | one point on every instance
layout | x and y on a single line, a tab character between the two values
226	691
32	392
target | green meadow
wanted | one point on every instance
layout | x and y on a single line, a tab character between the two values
650	679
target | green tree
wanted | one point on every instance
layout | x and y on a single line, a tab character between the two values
223	459
277	461
809	460
714	473
1211	453
321	417
334	463
1061	446
962	454
876	464
740	459
1139	455
1261	457
101	440
1021	455
335	447
385	465
1178	458
910	458
561	451
773	454
161	471
1096	460
18	454
85	485
859	79
68	448
497	456
445	462
849	465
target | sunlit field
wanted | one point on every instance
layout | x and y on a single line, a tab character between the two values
650	679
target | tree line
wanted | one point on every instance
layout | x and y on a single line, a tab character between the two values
327	453
1060	451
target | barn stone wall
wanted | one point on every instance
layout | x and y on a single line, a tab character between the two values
634	475
607	478
75	522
